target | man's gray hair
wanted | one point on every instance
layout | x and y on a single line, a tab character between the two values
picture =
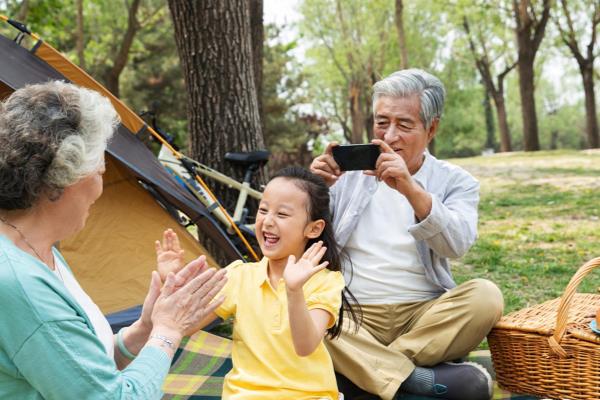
408	82
51	135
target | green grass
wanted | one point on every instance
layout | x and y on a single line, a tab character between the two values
539	221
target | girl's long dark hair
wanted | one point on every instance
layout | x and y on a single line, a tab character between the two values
318	208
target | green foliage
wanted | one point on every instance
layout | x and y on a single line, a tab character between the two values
282	90
462	129
347	47
290	125
152	77
360	38
347	44
357	40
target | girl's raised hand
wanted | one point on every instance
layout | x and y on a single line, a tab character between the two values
169	254
296	273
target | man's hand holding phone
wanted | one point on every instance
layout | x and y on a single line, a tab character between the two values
339	158
391	168
326	167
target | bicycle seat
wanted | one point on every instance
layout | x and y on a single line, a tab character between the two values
245	159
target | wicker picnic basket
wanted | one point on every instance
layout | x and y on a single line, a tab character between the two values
549	350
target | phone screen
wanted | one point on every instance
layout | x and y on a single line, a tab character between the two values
356	157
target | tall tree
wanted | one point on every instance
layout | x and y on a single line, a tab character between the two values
113	74
213	40
494	85
529	29
399	19
568	29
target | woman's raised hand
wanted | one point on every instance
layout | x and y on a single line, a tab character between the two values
178	311
296	273
169	254
181	278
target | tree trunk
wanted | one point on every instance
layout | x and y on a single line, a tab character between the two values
356	112
591	119
399	19
529	29
527	91
120	60
222	106
489	119
79	40
216	57
586	65
505	143
258	38
23	11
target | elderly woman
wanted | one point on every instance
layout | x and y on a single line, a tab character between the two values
54	341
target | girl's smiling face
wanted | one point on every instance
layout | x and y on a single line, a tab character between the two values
283	225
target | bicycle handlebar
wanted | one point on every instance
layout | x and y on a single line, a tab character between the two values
169	138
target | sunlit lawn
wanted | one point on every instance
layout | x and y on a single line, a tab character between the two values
539	221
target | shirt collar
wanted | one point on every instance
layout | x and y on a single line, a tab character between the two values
261	275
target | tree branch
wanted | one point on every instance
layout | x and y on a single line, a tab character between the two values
147	19
540	27
329	48
568	37
481	61
595	22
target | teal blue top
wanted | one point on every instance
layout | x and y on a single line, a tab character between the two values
48	347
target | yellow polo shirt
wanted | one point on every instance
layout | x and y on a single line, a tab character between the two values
265	365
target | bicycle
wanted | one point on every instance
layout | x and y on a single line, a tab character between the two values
188	171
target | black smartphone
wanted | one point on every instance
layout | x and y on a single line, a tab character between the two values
356	157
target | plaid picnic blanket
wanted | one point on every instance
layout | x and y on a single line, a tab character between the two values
198	368
201	362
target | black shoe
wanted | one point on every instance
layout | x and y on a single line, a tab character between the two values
351	391
452	381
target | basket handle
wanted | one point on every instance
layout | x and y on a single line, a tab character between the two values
565	303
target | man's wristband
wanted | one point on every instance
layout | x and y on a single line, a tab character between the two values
121	345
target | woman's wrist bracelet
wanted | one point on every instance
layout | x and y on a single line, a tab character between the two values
121	345
164	339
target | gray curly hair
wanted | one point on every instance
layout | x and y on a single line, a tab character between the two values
51	135
407	82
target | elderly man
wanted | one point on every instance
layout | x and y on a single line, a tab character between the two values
399	224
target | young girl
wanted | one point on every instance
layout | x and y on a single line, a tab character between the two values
284	305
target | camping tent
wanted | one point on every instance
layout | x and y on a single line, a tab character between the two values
113	255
